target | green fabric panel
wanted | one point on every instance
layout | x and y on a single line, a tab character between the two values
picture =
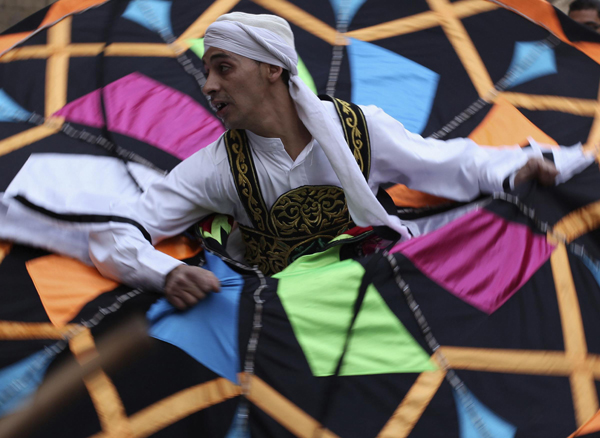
310	262
318	297
197	46
306	76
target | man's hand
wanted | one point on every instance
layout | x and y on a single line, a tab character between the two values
186	285
537	168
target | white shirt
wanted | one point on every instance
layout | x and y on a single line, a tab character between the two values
203	184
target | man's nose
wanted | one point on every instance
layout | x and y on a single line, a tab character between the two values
210	86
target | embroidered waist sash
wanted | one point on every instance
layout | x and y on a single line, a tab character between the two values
304	219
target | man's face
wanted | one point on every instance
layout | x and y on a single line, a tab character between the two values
235	87
587	17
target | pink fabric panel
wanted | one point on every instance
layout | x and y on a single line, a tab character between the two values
149	111
481	258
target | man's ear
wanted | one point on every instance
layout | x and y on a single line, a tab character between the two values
273	73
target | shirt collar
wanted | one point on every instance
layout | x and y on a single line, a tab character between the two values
275	144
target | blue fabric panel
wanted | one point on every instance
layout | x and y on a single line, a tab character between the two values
494	425
350	9
10	111
208	331
152	14
27	374
401	87
535	58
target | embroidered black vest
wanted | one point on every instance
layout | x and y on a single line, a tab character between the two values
304	219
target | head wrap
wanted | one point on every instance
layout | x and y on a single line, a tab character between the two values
269	39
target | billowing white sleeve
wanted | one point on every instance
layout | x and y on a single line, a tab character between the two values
458	169
191	191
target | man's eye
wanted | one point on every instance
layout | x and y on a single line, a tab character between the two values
224	68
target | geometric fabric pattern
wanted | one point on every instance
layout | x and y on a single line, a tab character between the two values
207	331
410	87
500	258
552	359
346	9
149	111
320	321
10	111
31	371
152	14
65	285
543	64
468	407
506	125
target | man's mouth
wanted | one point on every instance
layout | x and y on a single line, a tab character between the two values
219	107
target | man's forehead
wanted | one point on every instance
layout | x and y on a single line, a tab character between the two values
216	53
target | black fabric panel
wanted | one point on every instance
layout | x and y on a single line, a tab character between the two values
577	76
528	320
566	129
362	405
494	35
37	39
551	204
75	417
451	319
165	370
25	82
91	26
280	360
370	13
161	159
538	406
83	74
439	420
28	24
20	302
19	297
588	294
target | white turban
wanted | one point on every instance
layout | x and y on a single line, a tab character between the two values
269	39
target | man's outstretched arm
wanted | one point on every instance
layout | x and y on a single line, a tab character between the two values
457	169
121	252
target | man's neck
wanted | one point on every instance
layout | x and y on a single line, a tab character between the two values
283	122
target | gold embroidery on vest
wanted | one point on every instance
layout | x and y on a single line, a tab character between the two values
246	182
354	125
309	210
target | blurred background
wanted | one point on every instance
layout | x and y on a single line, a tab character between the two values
13	11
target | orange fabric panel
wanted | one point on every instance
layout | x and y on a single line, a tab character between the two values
590	427
506	125
65	7
538	11
179	247
65	285
405	197
590	49
7	41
